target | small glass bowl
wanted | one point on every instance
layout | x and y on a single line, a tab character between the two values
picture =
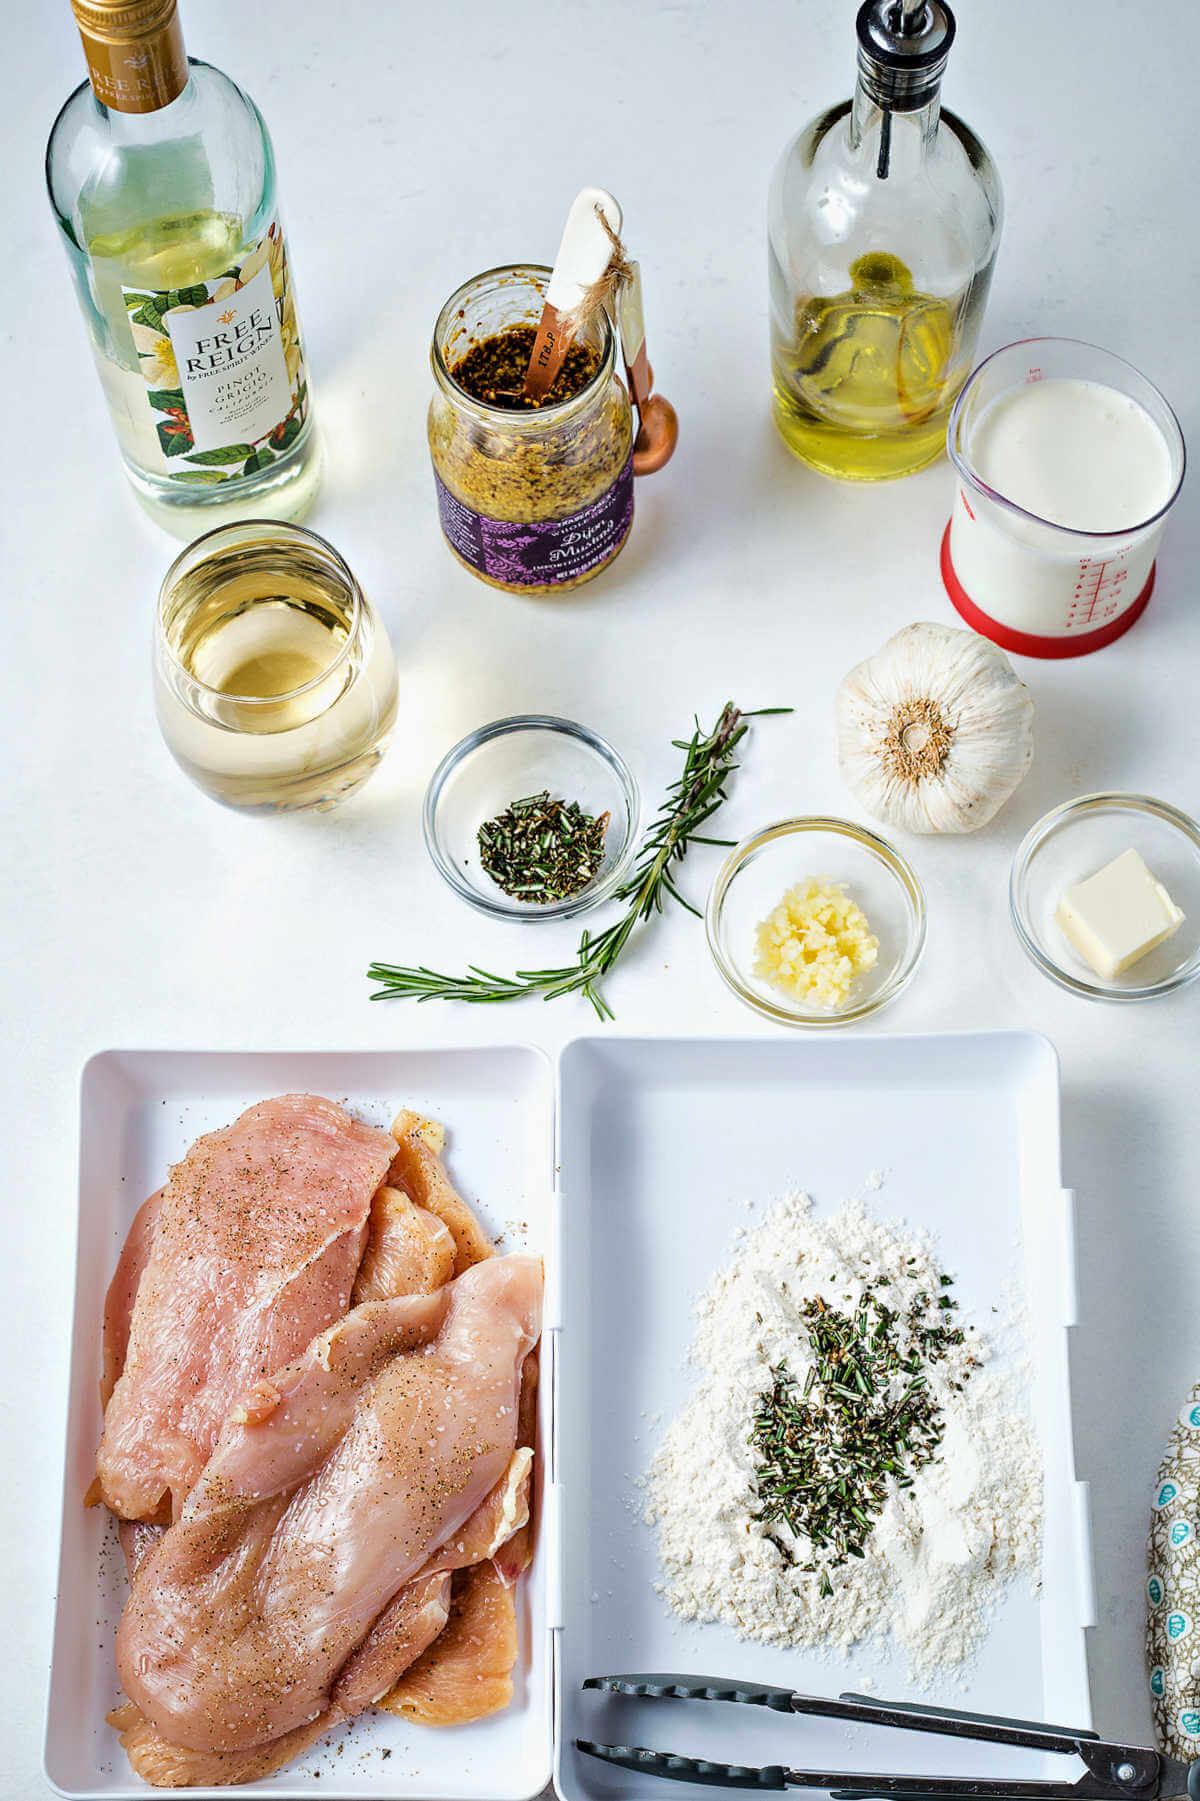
506	761
753	879
1071	843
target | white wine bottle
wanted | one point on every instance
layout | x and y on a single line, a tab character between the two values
162	180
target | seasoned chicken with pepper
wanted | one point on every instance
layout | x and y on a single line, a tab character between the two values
353	1538
250	1250
333	1485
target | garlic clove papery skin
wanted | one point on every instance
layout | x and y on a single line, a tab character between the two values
935	731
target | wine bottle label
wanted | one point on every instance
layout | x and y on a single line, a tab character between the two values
545	551
223	367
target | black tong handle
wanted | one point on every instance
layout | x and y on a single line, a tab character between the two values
663	1686
862	1709
687	1769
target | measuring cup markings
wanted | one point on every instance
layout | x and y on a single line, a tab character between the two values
1098	589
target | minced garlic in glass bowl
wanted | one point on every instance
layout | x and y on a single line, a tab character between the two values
877	880
815	944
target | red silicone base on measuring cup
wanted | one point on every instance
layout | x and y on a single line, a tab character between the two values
1031	644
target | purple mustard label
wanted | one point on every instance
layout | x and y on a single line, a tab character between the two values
551	550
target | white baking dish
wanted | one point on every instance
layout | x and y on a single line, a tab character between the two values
140	1111
657	1143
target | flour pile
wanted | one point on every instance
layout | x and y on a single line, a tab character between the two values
939	1552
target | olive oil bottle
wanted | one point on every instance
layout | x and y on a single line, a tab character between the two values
162	181
885	216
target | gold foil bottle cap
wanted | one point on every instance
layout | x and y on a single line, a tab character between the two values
135	54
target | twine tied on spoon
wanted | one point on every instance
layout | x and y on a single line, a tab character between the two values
594	274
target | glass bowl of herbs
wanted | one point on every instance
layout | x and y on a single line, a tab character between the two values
532	818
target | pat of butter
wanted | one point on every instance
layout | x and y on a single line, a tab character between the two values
1117	915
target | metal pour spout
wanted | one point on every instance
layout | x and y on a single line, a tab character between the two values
912	13
903	46
902	50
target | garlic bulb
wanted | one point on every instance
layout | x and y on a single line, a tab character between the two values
935	731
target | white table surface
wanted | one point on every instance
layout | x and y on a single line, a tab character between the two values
412	142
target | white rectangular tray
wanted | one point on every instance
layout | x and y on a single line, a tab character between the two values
659	1143
140	1111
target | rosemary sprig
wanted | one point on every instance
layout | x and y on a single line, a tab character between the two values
690	802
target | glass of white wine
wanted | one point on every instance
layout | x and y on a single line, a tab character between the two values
274	681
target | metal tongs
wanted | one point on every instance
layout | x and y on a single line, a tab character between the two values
1117	1771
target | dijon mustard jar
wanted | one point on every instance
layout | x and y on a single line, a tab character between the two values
534	497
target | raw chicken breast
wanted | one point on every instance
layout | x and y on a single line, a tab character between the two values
122	1293
499	1517
137	1539
255	1248
409	1251
174	1766
417	1168
402	1632
466	1673
514	1553
405	1628
350	1472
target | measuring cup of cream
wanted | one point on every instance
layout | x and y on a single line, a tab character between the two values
1068	462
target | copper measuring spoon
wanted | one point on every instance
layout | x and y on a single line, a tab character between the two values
658	422
591	233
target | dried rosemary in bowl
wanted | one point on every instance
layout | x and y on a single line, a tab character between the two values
542	849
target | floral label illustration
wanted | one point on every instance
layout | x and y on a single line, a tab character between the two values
1173	1588
545	551
223	366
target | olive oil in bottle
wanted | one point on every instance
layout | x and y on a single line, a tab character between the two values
885	217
